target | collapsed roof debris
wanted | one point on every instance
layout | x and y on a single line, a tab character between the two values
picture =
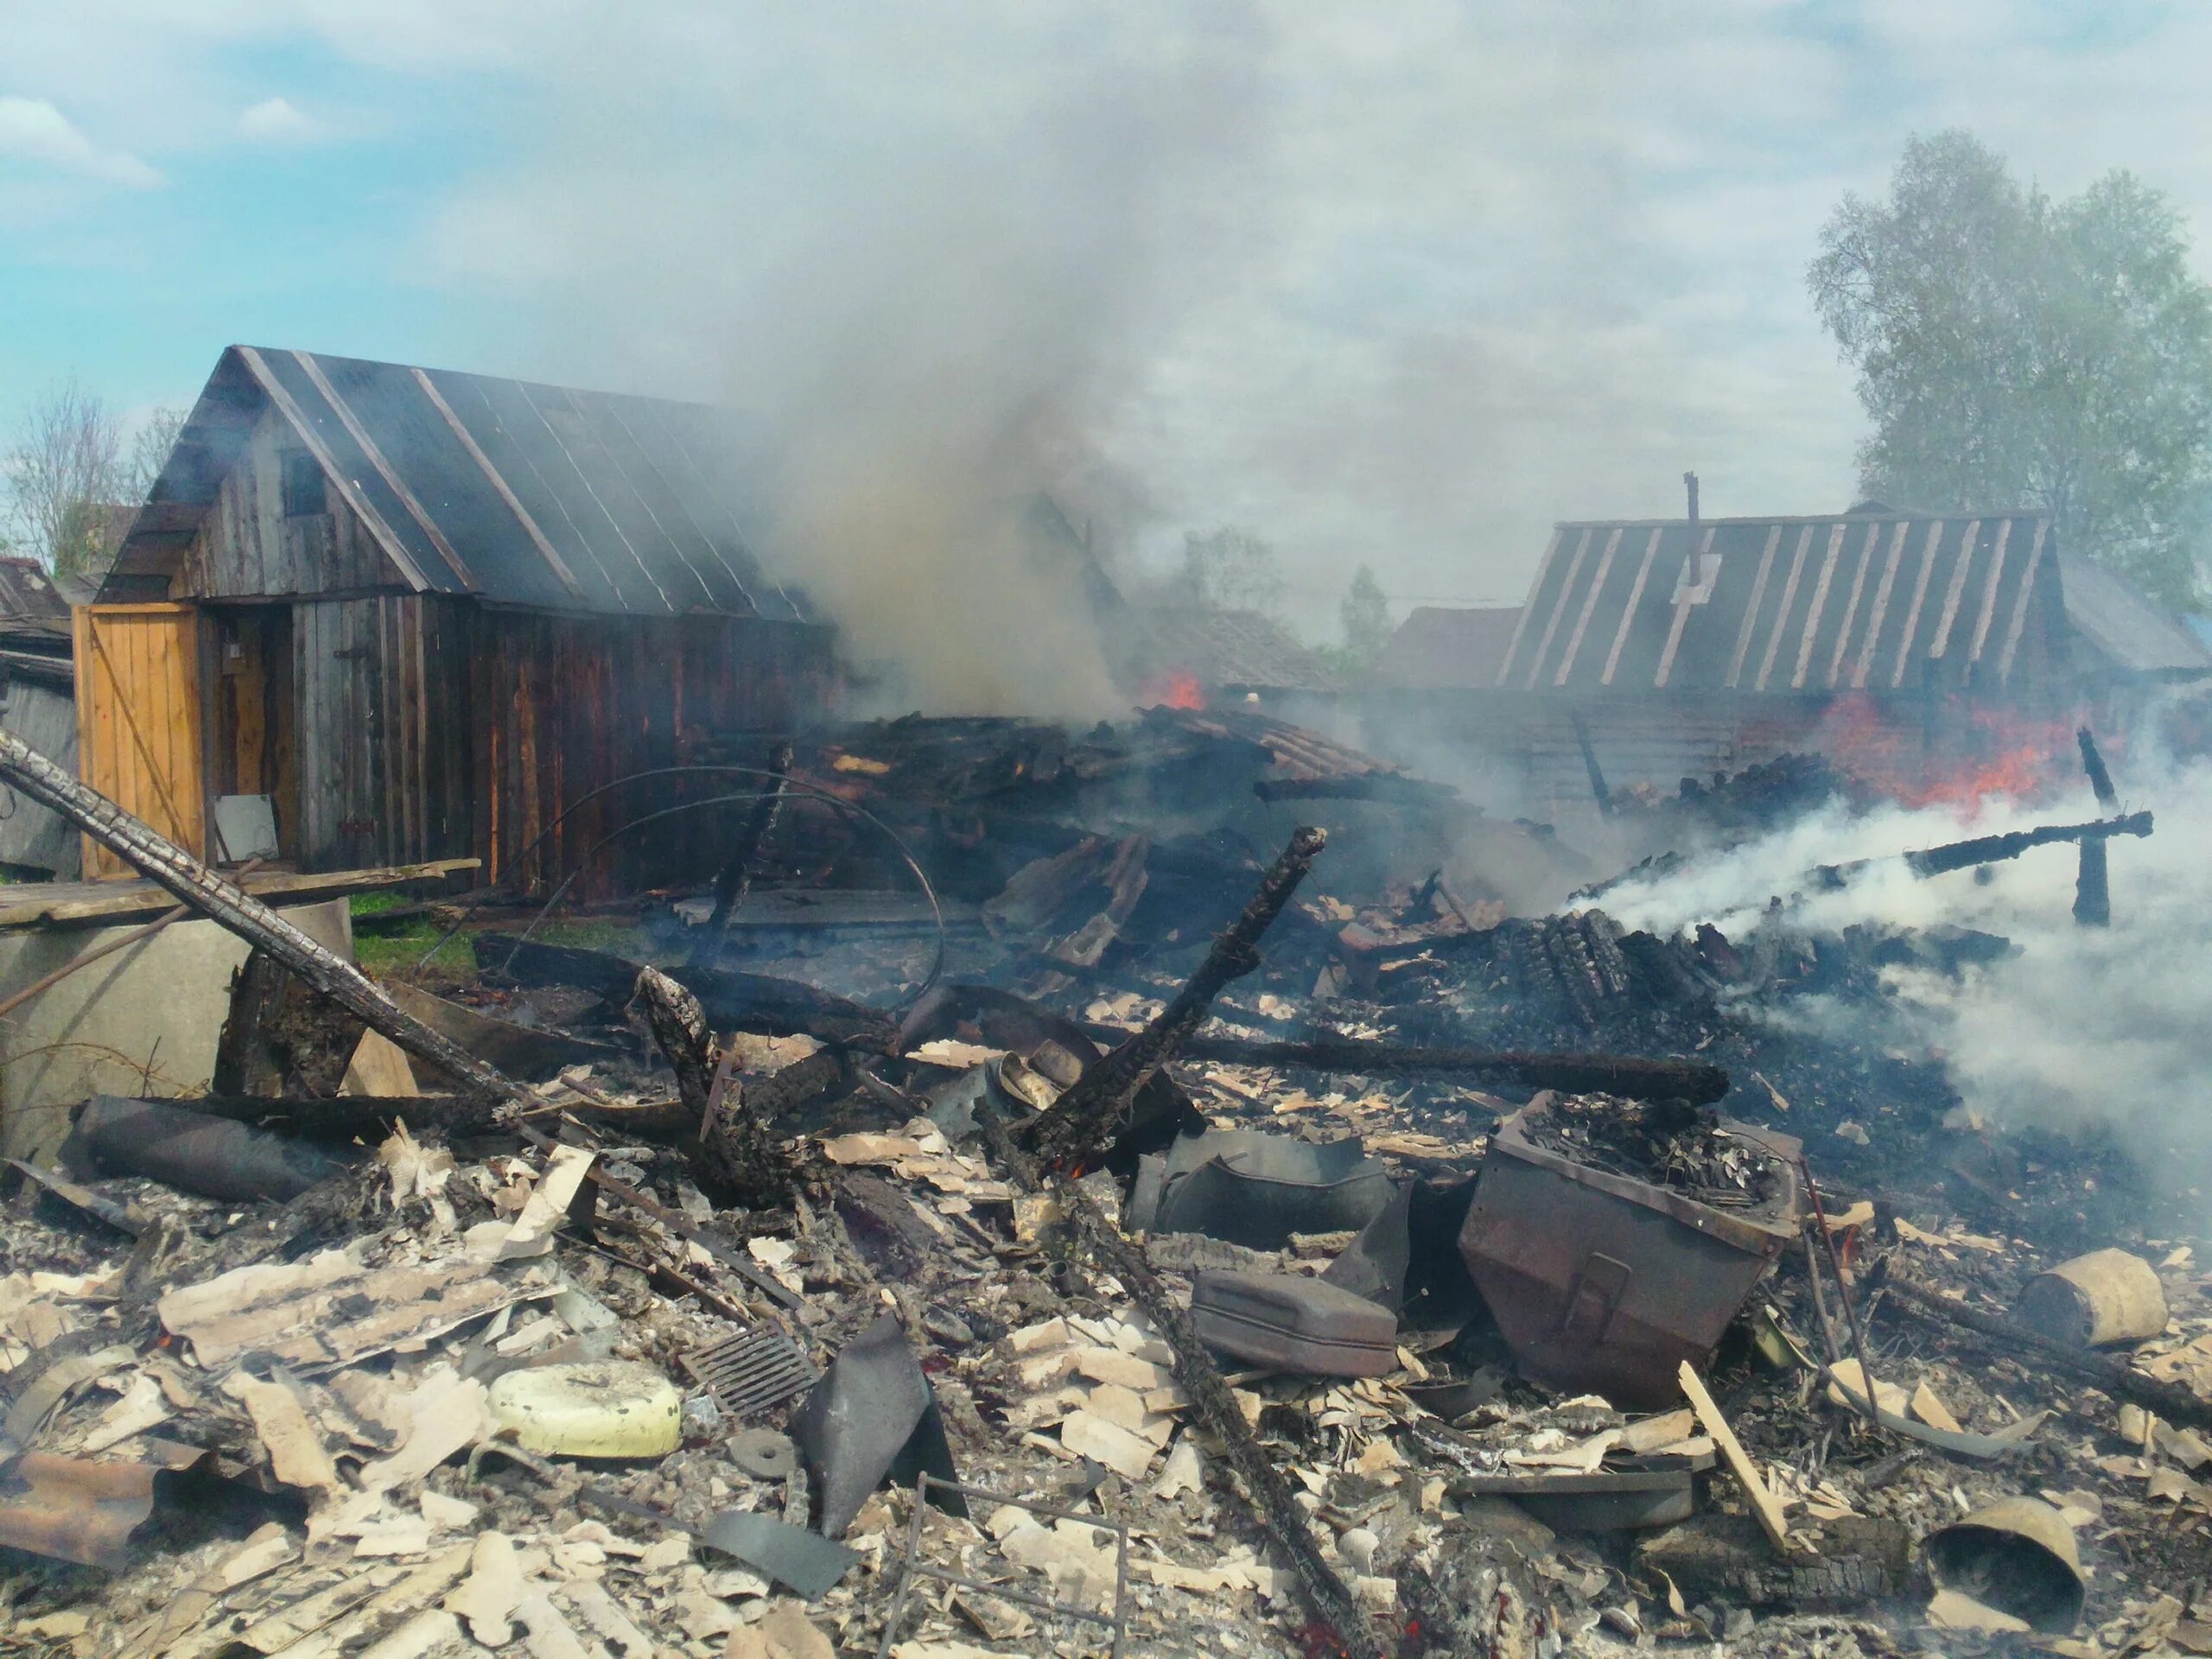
1120	1242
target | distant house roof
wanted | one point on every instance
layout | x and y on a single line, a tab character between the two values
1780	605
2129	631
503	490
29	595
1437	648
1228	650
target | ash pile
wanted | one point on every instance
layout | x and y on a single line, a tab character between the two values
1042	1197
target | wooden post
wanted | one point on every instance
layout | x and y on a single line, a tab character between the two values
162	862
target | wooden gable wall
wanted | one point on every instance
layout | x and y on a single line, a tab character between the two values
247	547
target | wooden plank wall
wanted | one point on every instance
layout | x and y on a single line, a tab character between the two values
565	704
138	714
385	720
247	548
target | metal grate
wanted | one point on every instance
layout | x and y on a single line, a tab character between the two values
749	1373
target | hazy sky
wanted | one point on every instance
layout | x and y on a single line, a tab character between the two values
1403	282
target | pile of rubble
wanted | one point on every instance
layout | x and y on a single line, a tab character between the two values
1356	1271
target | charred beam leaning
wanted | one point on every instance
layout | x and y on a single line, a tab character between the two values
2092	886
1628	1076
1082	1119
735	879
193	883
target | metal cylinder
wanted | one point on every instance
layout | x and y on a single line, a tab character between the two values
2106	1296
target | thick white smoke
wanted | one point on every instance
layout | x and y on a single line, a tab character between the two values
2079	1027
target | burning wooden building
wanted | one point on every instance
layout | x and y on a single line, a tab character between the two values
1926	654
374	614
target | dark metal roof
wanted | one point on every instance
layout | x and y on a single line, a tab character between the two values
1439	648
1782	605
503	490
1229	650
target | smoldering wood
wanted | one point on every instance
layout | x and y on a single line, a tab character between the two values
758	1003
739	1161
735	879
1993	850
247	1062
1082	1120
679	1026
1598	792
1628	1076
1259	1480
2171	1401
193	883
2093	884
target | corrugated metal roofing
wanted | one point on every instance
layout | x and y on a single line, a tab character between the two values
1782	605
1440	648
506	490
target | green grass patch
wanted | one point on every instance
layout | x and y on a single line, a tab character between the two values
390	955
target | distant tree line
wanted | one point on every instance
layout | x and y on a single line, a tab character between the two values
2015	350
69	460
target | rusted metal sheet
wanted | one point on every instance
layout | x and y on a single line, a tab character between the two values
1604	1283
69	1510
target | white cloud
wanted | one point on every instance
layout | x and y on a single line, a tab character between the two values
32	129
278	120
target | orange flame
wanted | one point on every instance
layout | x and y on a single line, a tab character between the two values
1176	688
1992	752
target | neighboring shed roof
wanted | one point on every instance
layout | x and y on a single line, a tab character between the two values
1437	648
28	596
1780	605
505	490
2132	633
1229	650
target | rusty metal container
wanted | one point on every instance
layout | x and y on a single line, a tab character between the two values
1606	1284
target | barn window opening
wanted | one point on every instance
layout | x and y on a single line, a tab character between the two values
303	486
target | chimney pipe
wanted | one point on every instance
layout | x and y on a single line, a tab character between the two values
1689	483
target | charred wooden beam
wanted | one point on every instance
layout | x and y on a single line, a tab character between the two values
741	1161
1629	1077
2171	1401
1082	1120
1598	792
731	1001
2093	884
349	1116
192	882
1259	1477
1993	849
245	1063
735	879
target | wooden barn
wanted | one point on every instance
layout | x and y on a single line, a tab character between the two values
376	614
1914	649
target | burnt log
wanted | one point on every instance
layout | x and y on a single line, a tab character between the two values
2093	884
1077	1126
760	1003
1631	1078
245	1061
177	872
737	1160
1993	849
2171	1401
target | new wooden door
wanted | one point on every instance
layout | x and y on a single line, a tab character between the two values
138	733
